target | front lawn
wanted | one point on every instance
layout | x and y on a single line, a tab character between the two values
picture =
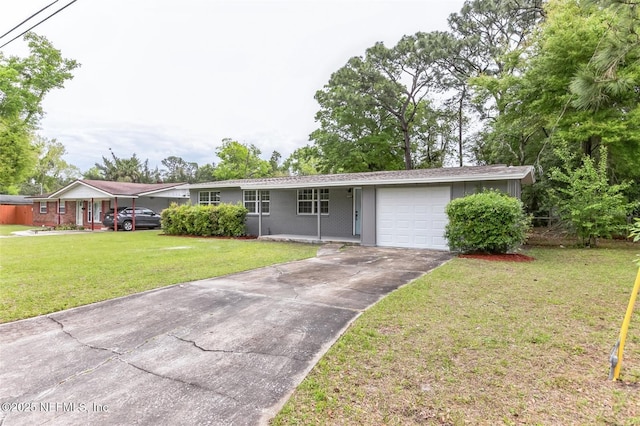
6	230
480	342
45	274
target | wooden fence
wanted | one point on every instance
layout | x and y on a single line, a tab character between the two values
16	214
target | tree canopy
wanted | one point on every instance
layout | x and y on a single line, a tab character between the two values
120	169
24	83
509	83
51	172
240	161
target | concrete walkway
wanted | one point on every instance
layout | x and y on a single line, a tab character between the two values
221	351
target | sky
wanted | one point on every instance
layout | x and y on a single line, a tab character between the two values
163	78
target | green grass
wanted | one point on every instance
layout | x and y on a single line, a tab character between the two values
479	342
8	229
45	274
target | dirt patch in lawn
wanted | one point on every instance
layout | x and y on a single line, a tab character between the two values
214	237
505	257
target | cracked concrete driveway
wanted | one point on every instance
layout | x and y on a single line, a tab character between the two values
227	350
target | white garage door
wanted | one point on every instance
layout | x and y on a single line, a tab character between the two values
412	217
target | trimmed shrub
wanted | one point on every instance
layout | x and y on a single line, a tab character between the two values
230	219
224	220
490	222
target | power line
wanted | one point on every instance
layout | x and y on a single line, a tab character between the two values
45	19
38	12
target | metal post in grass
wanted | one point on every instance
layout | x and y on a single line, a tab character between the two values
618	349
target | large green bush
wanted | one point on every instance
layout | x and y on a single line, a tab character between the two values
589	204
225	220
489	221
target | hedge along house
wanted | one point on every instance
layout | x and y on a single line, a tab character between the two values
391	208
84	202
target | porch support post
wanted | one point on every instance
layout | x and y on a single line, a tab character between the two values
115	214
318	212
93	213
133	216
58	211
259	212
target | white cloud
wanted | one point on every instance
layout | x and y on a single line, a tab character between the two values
162	78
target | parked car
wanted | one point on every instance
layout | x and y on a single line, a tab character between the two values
145	218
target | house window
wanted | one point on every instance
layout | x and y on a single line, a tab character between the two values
308	201
209	198
43	207
250	198
62	207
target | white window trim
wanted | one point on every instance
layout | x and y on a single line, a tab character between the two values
62	207
43	207
314	201
256	201
210	197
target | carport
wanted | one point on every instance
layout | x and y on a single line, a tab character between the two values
84	202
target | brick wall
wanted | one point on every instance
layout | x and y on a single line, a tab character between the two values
51	217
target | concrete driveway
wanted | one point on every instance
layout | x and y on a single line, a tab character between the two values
221	351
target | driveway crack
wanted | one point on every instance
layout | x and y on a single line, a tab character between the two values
175	379
357	290
227	351
73	376
88	345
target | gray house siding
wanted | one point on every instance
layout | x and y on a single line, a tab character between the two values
460	189
283	217
368	237
156	204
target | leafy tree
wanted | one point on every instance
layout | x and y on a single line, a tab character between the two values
240	161
492	38
94	173
205	173
370	108
635	235
452	57
277	169
612	76
572	32
535	107
52	172
487	41
587	202
17	155
303	161
24	83
178	170
126	170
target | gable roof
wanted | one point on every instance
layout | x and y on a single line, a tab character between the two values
116	189
396	177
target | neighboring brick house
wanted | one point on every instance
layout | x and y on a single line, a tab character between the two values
84	202
53	213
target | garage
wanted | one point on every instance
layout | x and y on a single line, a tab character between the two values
412	217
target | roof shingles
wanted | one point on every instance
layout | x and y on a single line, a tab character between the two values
445	174
127	188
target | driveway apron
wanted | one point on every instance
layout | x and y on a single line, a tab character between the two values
221	351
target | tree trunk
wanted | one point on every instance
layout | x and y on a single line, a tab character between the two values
460	126
590	145
407	147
